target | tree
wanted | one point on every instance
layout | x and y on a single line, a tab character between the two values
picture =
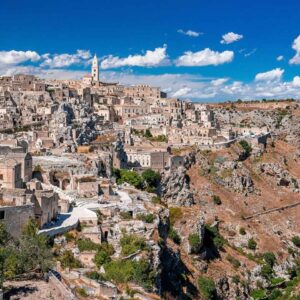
151	177
131	177
247	147
34	250
147	133
68	260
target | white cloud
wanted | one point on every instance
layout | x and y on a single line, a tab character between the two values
219	81
65	59
189	32
296	81
151	58
14	57
205	57
296	46
280	58
181	92
231	37
273	75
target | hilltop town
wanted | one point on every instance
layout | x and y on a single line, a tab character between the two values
142	196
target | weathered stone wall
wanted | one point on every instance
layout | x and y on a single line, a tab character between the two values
15	217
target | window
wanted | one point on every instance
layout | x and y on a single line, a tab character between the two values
2	214
1	176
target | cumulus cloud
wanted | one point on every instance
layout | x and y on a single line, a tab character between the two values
181	92
204	57
296	81
65	59
296	46
273	75
280	58
231	37
14	57
219	81
189	32
151	58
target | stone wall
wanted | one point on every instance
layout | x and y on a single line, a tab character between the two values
15	217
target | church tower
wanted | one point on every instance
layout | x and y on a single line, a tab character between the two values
95	69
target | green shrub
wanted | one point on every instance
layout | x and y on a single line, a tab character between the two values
195	243
131	243
269	258
214	235
217	200
130	177
69	237
95	276
175	214
38	168
156	200
103	254
246	147
296	241
82	292
123	271
87	245
266	271
174	236
126	215
207	287
148	218
258	294
236	264
151	177
242	231
68	260
252	244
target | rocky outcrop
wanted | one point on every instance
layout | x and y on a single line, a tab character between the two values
175	188
281	176
229	289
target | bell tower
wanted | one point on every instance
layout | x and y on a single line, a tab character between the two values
95	69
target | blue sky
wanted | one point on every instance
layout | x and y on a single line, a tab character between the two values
174	44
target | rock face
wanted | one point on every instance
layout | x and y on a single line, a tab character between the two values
228	173
282	176
175	188
229	290
87	133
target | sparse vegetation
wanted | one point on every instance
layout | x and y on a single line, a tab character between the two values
252	244
242	231
217	200
175	214
87	245
103	254
132	243
123	271
147	218
195	243
68	260
235	262
296	241
174	236
126	215
207	287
